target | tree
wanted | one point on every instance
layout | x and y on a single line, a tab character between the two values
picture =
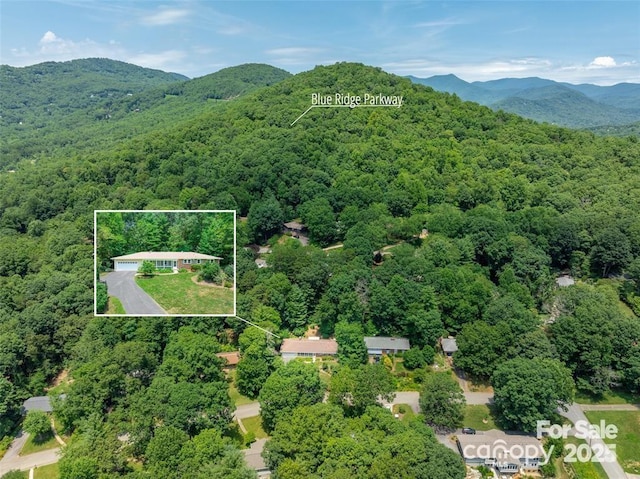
37	423
611	252
295	311
413	359
351	348
102	297
292	385
253	369
482	347
319	217
530	390
8	406
442	401
356	389
265	218
147	268
163	452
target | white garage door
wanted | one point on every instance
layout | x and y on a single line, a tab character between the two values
126	266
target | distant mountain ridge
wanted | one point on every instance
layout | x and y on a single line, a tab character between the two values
565	104
108	100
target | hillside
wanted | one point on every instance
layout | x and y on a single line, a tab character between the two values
575	106
100	101
505	204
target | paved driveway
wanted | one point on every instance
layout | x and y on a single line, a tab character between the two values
134	300
12	460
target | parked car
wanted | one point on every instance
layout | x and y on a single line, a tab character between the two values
468	430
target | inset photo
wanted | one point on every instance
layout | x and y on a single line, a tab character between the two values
165	263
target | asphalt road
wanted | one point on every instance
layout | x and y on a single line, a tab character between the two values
12	460
122	285
611	468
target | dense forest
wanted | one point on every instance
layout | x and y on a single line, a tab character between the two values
506	204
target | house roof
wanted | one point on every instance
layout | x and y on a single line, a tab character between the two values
565	280
232	357
294	225
160	255
39	403
500	446
310	346
385	342
449	345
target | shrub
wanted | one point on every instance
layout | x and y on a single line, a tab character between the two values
210	272
147	268
414	358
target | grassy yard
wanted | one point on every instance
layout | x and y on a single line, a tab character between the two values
404	410
115	306
178	294
610	397
585	470
628	424
46	472
254	424
31	446
475	415
237	398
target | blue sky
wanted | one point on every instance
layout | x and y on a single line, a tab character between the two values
578	42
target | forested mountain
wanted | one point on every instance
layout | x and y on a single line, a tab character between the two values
576	106
89	104
506	203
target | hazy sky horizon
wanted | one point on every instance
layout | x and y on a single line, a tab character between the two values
577	42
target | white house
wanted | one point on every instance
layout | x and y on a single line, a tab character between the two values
507	453
312	347
162	259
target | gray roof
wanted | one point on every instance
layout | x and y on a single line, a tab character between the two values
497	444
39	403
385	342
565	280
449	345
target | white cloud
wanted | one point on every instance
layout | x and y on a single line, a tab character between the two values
167	16
603	62
491	69
48	37
167	60
293	51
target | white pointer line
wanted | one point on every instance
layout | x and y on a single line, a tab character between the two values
253	324
341	106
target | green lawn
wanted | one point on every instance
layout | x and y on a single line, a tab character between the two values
585	470
628	424
235	395
115	306
178	294
405	411
46	472
474	416
254	424
610	397
31	446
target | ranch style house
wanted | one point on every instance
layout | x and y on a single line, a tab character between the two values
162	259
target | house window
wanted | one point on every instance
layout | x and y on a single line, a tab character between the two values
197	261
186	261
